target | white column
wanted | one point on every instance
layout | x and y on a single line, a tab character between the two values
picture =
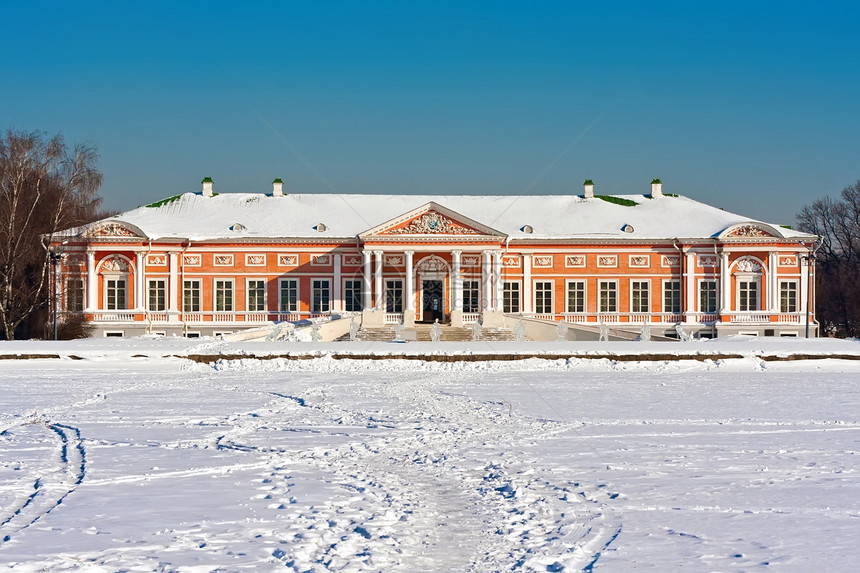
380	295
409	305
725	285
456	281
772	285
92	282
337	303
497	280
486	276
139	280
527	283
367	295
804	283
690	305
172	290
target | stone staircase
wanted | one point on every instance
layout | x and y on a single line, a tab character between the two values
422	333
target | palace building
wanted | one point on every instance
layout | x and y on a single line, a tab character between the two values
210	263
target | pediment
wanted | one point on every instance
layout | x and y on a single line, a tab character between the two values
752	230
431	220
113	229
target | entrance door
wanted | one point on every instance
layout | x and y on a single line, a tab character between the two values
432	302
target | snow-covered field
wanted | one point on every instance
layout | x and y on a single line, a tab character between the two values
131	459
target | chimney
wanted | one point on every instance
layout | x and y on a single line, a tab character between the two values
277	188
656	188
207	186
589	188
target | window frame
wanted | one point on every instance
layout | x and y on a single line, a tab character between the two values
81	293
393	304
715	290
194	289
748	279
542	293
352	295
601	289
471	303
225	302
507	298
795	292
155	290
676	292
583	292
295	290
116	290
249	290
636	306
317	305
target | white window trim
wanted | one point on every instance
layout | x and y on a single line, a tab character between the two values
552	294
330	282
114	277
778	294
215	282
199	289
650	296
343	289
282	280
699	295
386	280
600	296
663	291
149	282
567	284
248	282
67	290
519	283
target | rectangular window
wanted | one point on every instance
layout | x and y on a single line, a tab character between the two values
191	295
708	296
608	296
672	297
115	292
223	295
471	300
288	295
639	296
75	295
788	296
394	295
256	295
747	295
543	297
511	297
320	295
352	295
157	289
576	296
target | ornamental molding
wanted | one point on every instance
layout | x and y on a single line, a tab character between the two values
642	261
192	260
352	260
511	261
607	261
542	261
288	260
432	264
752	231
255	260
223	260
113	230
673	261
708	260
788	260
157	260
320	260
574	261
115	264
748	265
394	260
470	260
432	223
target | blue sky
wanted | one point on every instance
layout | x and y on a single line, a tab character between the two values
749	106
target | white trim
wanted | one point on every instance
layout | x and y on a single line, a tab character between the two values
637	265
542	310
607	261
575	261
648	306
567	284
215	282
198	288
519	284
663	291
261	261
323	260
248	295
147	300
749	278
699	295
288	259
226	260
114	334
343	291
281	280
330	282
778	295
600	296
115	277
189	258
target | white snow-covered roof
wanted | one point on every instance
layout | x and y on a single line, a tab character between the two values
259	216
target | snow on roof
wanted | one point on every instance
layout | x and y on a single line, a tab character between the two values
328	216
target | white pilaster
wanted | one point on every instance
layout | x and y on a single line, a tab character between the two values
497	280
337	303
456	281
486	276
772	284
172	290
366	294
690	302
725	285
804	283
92	282
409	303
139	280
379	304
527	283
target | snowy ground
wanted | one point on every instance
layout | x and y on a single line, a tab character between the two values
131	459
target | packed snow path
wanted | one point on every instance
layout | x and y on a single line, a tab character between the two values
323	465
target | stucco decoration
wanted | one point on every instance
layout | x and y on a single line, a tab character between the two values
288	260
542	261
432	264
640	261
394	261
748	265
114	264
191	260
574	261
111	230
470	260
433	223
607	261
352	260
749	231
671	261
510	261
708	260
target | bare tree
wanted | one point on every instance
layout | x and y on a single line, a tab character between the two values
837	222
44	188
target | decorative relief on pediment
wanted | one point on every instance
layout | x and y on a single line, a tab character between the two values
708	260
470	260
788	260
156	260
748	265
749	231
433	223
115	264
192	260
288	260
670	261
641	261
394	260
607	261
542	261
512	261
352	260
574	260
255	260
111	230
320	260
223	260
432	264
